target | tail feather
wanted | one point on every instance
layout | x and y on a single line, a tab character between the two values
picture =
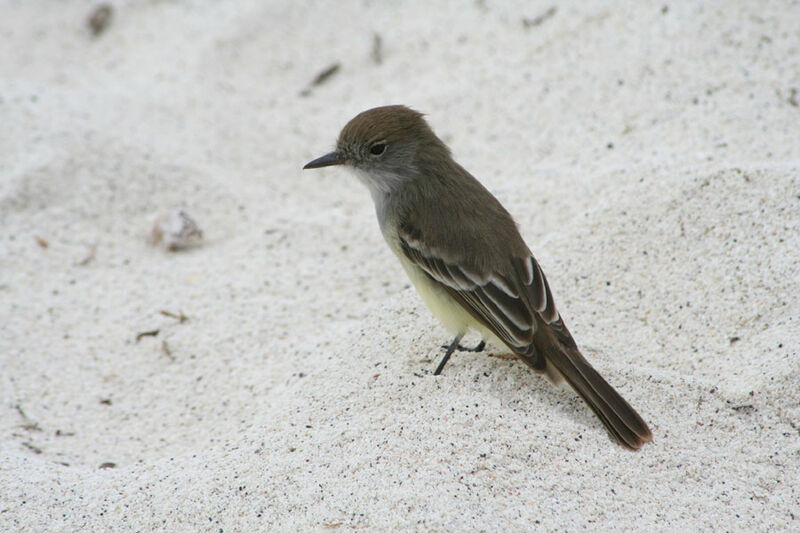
554	343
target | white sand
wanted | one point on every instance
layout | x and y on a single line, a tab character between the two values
298	394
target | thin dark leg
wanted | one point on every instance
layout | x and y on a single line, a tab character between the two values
447	354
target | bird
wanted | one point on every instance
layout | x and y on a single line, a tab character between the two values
464	254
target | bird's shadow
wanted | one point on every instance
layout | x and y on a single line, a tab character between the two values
561	398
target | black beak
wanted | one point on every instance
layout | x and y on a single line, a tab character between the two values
326	160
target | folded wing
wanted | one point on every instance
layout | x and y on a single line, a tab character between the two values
505	303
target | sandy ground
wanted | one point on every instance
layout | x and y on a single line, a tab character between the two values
649	151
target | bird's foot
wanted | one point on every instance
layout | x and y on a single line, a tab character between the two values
479	348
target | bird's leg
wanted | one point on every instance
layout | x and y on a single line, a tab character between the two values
448	353
479	348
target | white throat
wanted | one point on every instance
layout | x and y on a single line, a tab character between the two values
382	187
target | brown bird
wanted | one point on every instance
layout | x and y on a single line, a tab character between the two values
464	254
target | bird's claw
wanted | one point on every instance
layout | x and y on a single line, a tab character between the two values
479	348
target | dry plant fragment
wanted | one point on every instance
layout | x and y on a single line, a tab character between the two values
377	49
99	19
89	256
321	78
180	317
538	21
165	348
152	333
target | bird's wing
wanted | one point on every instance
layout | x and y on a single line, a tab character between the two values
511	306
506	304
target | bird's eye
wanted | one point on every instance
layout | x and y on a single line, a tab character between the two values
377	148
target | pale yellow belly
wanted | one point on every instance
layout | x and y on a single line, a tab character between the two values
443	307
452	316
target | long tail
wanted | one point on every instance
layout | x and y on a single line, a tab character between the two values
554	342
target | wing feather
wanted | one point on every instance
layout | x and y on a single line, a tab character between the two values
506	305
